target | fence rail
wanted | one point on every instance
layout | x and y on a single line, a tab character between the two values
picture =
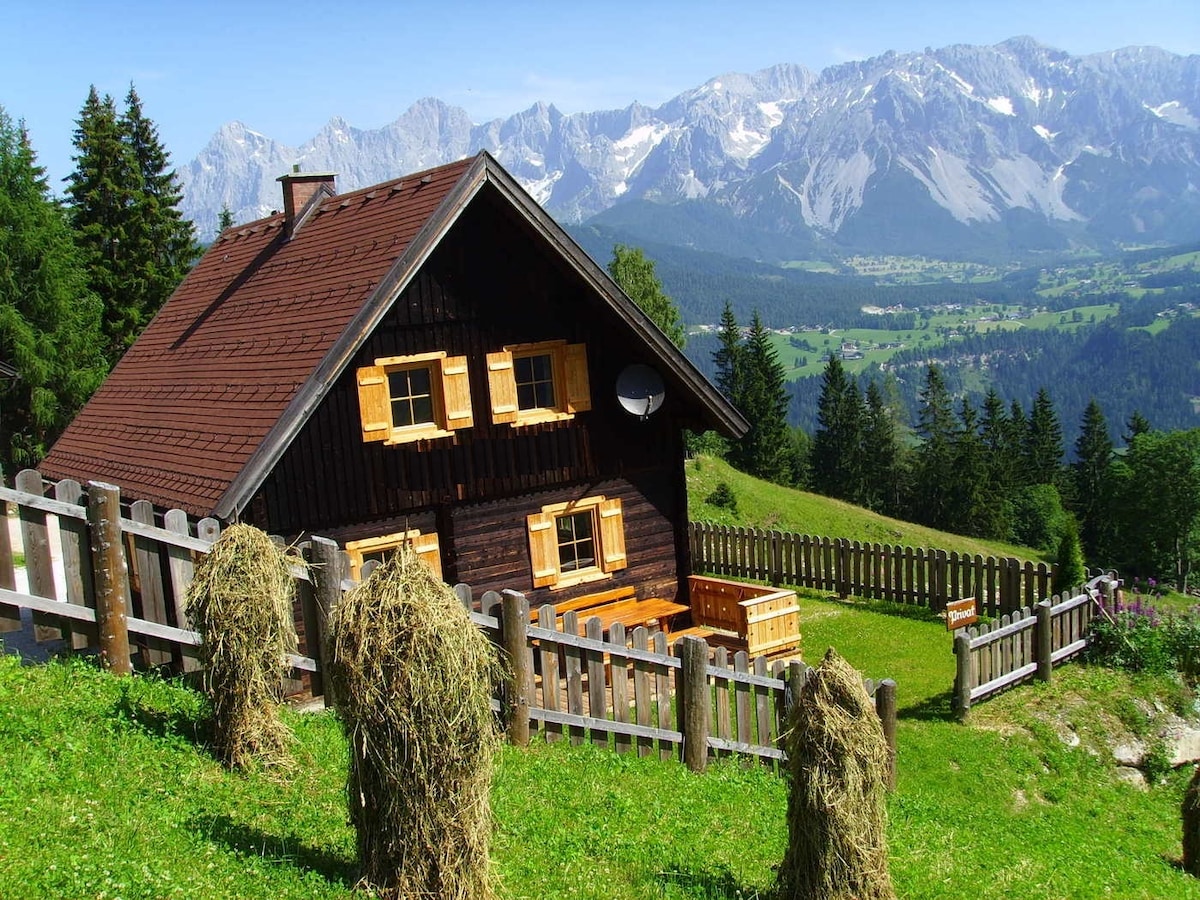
916	576
627	690
1025	644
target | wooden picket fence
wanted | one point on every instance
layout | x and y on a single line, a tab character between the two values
915	576
631	690
122	580
1025	644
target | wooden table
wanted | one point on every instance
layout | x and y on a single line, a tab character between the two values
632	613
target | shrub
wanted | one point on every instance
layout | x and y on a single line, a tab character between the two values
723	497
1070	572
1038	516
1133	636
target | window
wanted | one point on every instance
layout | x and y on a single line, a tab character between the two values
570	543
378	548
412	398
543	382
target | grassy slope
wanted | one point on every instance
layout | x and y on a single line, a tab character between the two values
766	505
107	791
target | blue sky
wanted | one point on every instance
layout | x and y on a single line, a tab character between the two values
285	69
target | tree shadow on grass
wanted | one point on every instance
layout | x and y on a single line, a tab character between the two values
704	883
286	849
938	708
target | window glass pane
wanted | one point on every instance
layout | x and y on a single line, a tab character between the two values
535	381
412	400
576	544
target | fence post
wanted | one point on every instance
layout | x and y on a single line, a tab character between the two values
326	573
514	621
962	675
885	706
110	576
695	702
1045	642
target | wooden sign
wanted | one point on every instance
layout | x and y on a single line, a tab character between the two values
961	613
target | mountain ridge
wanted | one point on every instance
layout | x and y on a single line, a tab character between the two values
987	150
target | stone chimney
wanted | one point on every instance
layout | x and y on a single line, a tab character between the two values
300	187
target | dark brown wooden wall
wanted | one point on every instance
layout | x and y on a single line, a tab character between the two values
489	283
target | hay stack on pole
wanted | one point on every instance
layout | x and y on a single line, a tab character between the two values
413	678
837	759
241	603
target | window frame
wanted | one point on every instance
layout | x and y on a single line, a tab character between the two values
571	384
426	546
608	535
450	396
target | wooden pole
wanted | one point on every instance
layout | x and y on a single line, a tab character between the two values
514	620
885	705
110	576
326	572
1045	642
695	703
962	676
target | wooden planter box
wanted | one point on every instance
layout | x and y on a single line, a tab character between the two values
762	620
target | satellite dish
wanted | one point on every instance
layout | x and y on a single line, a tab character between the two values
640	390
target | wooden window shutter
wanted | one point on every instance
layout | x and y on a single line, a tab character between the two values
373	403
612	536
456	393
502	385
428	551
579	395
543	549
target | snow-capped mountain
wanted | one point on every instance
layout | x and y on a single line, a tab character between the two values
1016	146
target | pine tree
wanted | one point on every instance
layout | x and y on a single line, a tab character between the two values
765	450
1002	461
125	209
1043	449
728	357
630	268
1135	425
968	489
49	321
933	477
837	443
880	461
224	219
1090	488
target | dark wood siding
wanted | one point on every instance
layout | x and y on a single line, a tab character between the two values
490	283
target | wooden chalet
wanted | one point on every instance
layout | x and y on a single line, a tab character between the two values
431	359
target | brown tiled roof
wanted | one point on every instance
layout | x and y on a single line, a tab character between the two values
203	404
181	414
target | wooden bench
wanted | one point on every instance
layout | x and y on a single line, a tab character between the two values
761	620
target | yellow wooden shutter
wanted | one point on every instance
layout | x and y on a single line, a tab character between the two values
543	549
428	551
579	395
502	385
373	403
612	536
456	393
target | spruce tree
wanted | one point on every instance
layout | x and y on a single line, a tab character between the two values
880	460
124	205
1136	424
1002	462
224	219
728	357
1043	449
1090	487
968	488
837	442
49	321
765	450
933	476
630	268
